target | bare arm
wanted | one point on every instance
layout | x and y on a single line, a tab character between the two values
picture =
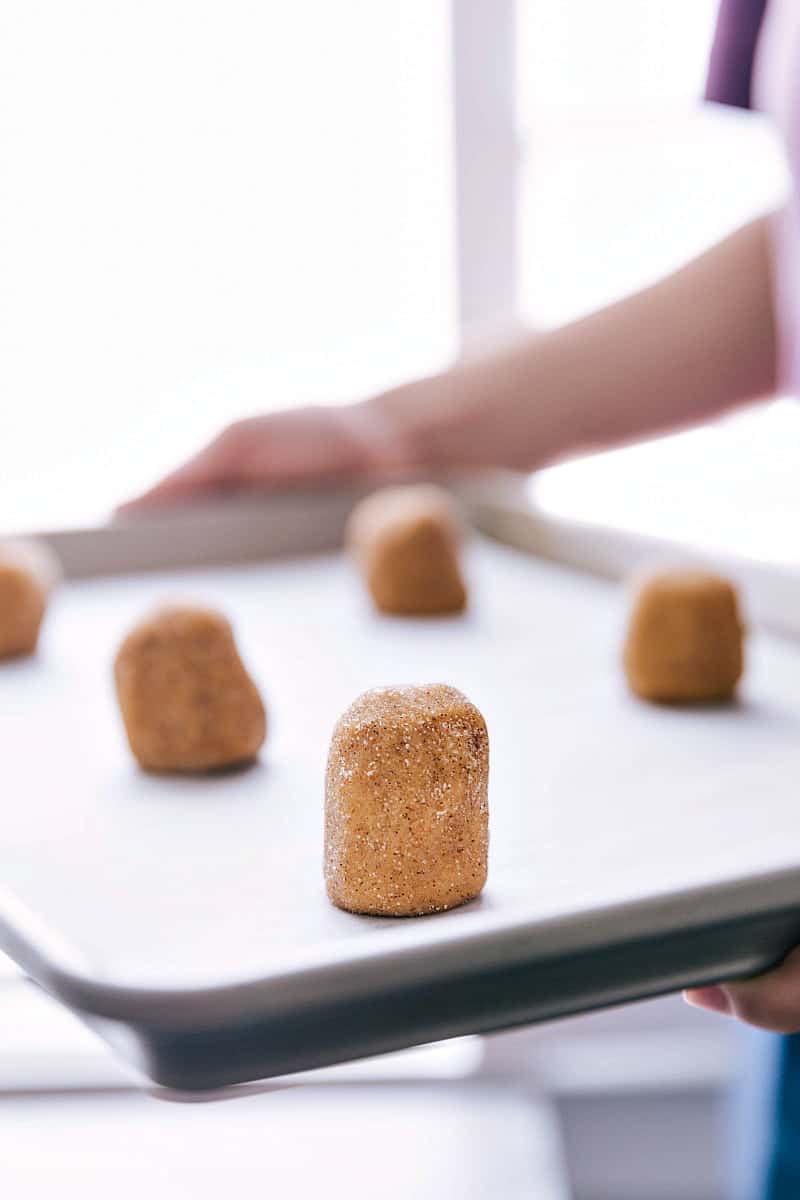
698	342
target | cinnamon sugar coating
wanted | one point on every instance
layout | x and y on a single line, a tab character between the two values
187	702
406	812
685	637
406	541
28	573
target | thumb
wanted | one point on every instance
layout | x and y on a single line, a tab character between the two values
770	1001
212	467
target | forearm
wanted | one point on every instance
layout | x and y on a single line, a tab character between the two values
696	343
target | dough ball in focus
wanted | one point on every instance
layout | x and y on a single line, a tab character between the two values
28	573
406	813
187	702
406	541
685	637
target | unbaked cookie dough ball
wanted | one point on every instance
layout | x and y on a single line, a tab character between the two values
406	814
406	541
187	702
684	643
28	573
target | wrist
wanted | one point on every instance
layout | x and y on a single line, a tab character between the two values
418	420
384	431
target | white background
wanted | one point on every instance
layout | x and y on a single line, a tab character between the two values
211	209
206	209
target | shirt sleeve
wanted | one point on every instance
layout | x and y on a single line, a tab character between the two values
730	69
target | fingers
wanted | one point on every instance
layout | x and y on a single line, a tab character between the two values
770	1001
286	449
212	467
713	999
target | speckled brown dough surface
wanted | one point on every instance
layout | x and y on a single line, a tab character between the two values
28	573
685	638
187	702
406	811
406	541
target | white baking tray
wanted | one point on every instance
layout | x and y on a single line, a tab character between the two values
634	849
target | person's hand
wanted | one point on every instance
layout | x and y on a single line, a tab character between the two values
770	1001
307	445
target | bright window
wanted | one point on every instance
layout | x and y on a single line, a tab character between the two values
624	173
624	176
211	209
208	209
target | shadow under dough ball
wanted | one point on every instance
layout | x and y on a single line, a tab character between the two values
406	541
406	811
685	637
187	702
28	573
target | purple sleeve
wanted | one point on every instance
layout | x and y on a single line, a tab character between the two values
730	69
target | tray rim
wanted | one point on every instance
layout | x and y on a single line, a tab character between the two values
494	941
259	526
250	529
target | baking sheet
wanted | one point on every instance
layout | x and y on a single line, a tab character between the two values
194	902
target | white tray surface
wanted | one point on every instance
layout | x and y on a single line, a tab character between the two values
595	798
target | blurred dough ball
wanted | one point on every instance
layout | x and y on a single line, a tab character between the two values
187	702
406	812
28	573
685	637
406	541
